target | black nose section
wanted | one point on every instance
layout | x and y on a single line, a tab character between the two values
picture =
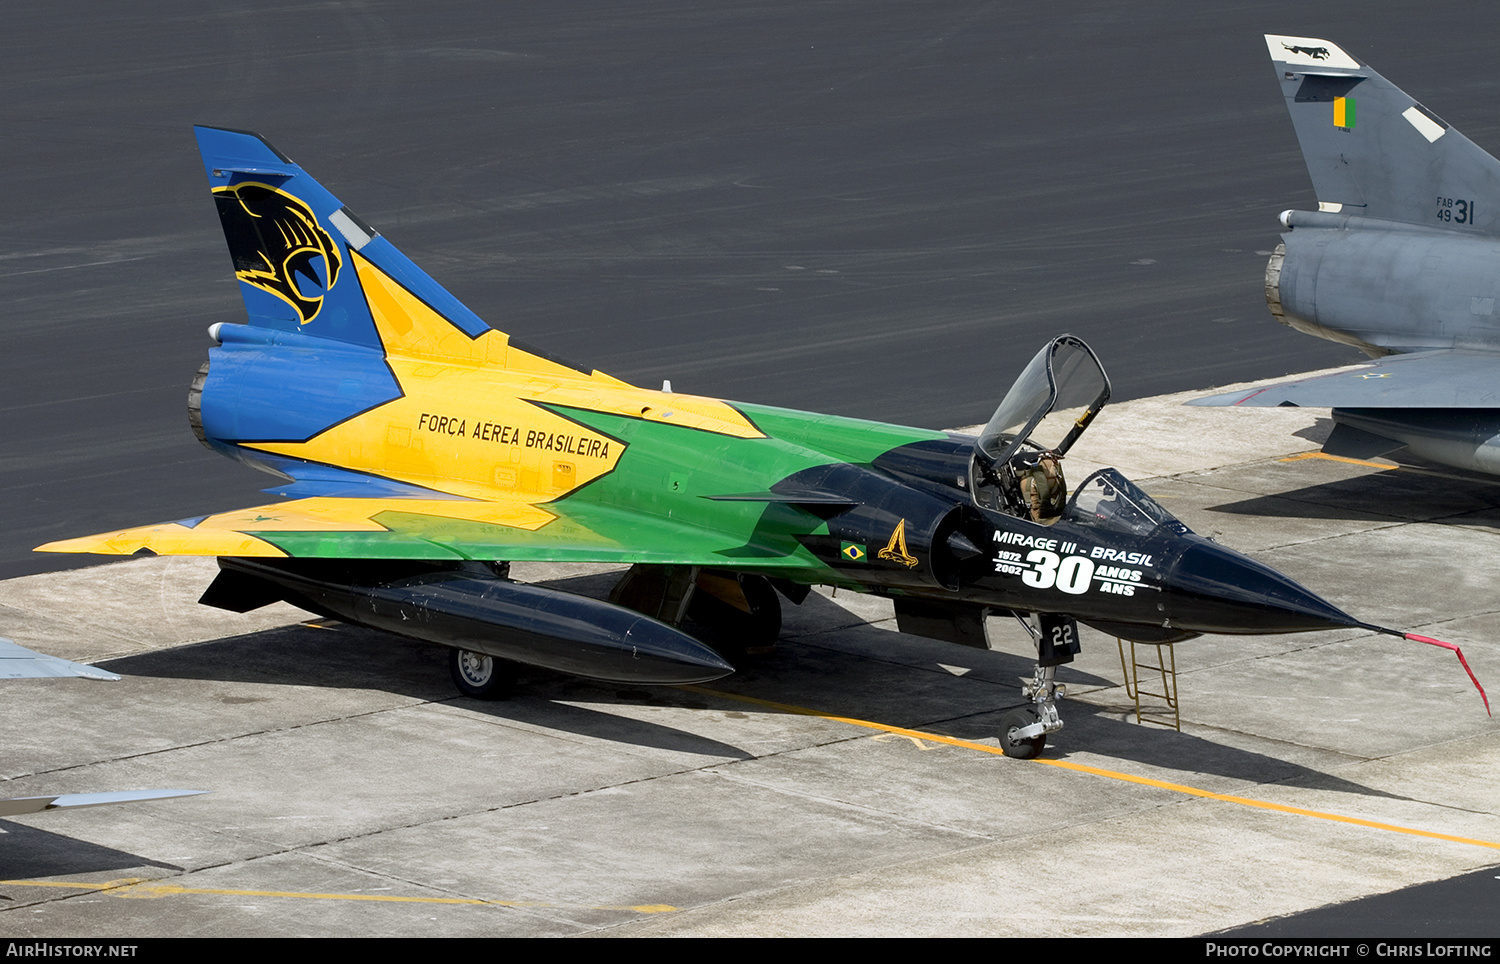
1212	589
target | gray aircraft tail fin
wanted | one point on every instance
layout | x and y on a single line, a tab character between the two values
1373	151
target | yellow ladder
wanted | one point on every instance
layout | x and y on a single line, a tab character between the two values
1164	669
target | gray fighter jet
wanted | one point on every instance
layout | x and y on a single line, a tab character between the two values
1401	260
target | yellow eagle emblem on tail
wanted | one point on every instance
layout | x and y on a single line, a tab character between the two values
278	246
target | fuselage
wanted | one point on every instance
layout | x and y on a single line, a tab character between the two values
661	476
1385	286
1392	288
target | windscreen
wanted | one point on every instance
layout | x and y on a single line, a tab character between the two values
1108	500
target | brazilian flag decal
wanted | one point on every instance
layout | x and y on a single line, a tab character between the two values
852	551
1343	112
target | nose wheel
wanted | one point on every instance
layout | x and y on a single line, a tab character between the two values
1013	727
1023	730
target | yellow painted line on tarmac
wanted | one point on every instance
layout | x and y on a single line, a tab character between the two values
141	887
1267	805
1101	772
1337	458
1410	469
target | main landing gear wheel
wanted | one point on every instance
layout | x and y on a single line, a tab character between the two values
1012	725
741	633
763	627
481	677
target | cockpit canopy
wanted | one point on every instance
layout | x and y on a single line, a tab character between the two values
1064	375
1016	465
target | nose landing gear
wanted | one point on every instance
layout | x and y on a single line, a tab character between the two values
1023	730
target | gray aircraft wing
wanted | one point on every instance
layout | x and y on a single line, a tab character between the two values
73	801
1429	379
18	662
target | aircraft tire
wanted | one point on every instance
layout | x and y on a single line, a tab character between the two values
481	677
752	633
1018	748
763	627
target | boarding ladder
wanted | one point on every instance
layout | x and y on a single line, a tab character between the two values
1139	667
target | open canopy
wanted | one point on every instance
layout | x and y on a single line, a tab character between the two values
1064	375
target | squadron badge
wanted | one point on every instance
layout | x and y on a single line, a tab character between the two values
278	246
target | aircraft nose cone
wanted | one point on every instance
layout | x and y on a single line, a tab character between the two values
1216	590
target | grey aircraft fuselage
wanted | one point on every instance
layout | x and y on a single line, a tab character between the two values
1402	260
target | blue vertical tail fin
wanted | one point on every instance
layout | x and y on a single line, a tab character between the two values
328	301
312	354
298	252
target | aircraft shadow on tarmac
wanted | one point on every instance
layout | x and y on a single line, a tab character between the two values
319	655
828	660
34	852
1418	491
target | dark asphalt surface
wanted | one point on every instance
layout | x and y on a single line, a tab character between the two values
1462	907
878	210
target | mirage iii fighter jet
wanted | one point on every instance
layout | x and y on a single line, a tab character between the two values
1401	260
422	452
